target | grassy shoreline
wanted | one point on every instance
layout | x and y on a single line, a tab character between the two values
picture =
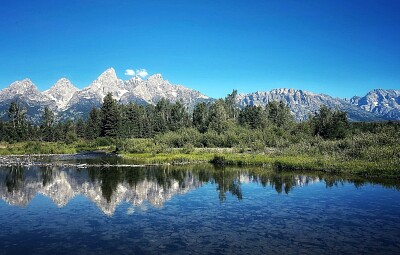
274	158
285	163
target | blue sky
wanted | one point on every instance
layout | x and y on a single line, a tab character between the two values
341	48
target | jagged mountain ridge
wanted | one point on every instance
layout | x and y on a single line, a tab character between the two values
383	102
303	103
67	101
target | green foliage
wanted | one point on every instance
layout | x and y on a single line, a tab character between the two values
218	116
167	132
138	145
200	117
47	126
110	117
18	125
330	124
93	124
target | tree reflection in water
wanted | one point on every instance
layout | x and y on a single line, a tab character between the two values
159	184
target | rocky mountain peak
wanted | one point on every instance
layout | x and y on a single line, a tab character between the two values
21	86
107	82
61	92
380	101
155	78
108	77
24	87
110	72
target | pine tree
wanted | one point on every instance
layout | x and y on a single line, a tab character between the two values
230	101
253	117
162	116
133	119
93	124
218	116
110	117
19	125
200	117
80	128
179	117
330	124
47	126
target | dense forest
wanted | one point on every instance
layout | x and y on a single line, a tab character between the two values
327	140
212	120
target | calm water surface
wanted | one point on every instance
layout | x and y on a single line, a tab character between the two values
194	210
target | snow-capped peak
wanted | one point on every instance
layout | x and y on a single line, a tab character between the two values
21	86
108	74
23	89
155	77
61	92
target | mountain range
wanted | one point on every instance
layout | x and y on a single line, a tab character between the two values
67	101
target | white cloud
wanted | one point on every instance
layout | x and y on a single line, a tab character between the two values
129	72
141	72
138	72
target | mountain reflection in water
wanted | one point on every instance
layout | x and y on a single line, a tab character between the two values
108	188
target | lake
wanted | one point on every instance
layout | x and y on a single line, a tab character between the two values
193	210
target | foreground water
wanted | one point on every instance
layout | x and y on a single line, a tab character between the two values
194	210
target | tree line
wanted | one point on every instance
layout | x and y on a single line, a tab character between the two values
147	121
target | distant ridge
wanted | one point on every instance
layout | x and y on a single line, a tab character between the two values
303	103
67	101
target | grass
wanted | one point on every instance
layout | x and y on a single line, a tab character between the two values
354	157
37	147
286	163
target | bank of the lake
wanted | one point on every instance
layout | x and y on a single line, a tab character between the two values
147	152
285	163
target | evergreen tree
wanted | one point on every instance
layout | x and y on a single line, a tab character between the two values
285	118
179	117
17	118
278	114
218	116
47	126
230	101
148	121
93	124
110	117
133	120
162	116
200	117
80	128
252	116
59	133
330	124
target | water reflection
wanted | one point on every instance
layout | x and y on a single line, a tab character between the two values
108	188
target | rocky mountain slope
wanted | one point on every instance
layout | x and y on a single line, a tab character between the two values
61	93
69	102
28	95
303	103
385	103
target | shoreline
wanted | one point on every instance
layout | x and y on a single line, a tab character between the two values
219	159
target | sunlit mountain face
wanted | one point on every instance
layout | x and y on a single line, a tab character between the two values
69	102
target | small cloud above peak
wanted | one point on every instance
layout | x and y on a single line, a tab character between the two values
138	72
129	72
142	73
